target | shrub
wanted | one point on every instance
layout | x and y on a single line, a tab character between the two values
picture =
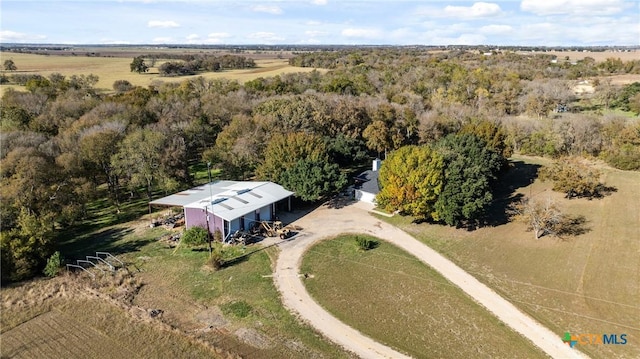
365	243
195	236
217	258
54	263
122	86
239	309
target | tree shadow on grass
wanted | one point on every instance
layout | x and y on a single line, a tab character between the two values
109	240
571	226
519	175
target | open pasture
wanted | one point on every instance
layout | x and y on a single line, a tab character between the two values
111	69
589	283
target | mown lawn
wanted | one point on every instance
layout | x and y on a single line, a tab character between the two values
391	296
584	284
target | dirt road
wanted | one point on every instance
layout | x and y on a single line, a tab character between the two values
326	222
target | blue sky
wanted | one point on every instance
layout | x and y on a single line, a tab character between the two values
401	22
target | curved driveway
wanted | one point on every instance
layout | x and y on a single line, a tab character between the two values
325	222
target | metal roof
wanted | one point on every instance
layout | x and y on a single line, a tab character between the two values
369	181
183	198
228	199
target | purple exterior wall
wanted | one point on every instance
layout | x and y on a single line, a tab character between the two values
197	217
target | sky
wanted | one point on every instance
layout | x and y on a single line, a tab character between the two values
317	22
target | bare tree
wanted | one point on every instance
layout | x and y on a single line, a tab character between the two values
542	217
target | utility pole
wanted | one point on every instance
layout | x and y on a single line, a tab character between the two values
207	208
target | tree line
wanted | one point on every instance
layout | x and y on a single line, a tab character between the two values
65	144
190	64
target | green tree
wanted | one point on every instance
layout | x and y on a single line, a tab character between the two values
54	263
138	65
313	180
470	168
98	145
139	159
411	180
9	65
237	147
26	247
285	150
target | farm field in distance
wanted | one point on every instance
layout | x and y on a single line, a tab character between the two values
116	67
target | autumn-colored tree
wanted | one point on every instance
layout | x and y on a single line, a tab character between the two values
301	163
493	134
573	177
378	136
411	179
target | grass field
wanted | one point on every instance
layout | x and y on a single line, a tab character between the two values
394	298
206	313
584	284
599	56
110	69
94	329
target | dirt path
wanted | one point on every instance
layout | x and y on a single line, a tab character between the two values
325	222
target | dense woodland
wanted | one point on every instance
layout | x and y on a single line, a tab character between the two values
65	144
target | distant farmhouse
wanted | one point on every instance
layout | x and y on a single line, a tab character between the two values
366	184
228	206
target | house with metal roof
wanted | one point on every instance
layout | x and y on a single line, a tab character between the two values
228	206
366	184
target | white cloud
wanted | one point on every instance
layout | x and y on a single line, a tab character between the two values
163	40
496	29
479	9
212	38
313	23
265	36
114	42
362	33
319	2
219	35
574	7
162	24
462	39
315	33
12	36
269	9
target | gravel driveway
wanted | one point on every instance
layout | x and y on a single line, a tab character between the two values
326	222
